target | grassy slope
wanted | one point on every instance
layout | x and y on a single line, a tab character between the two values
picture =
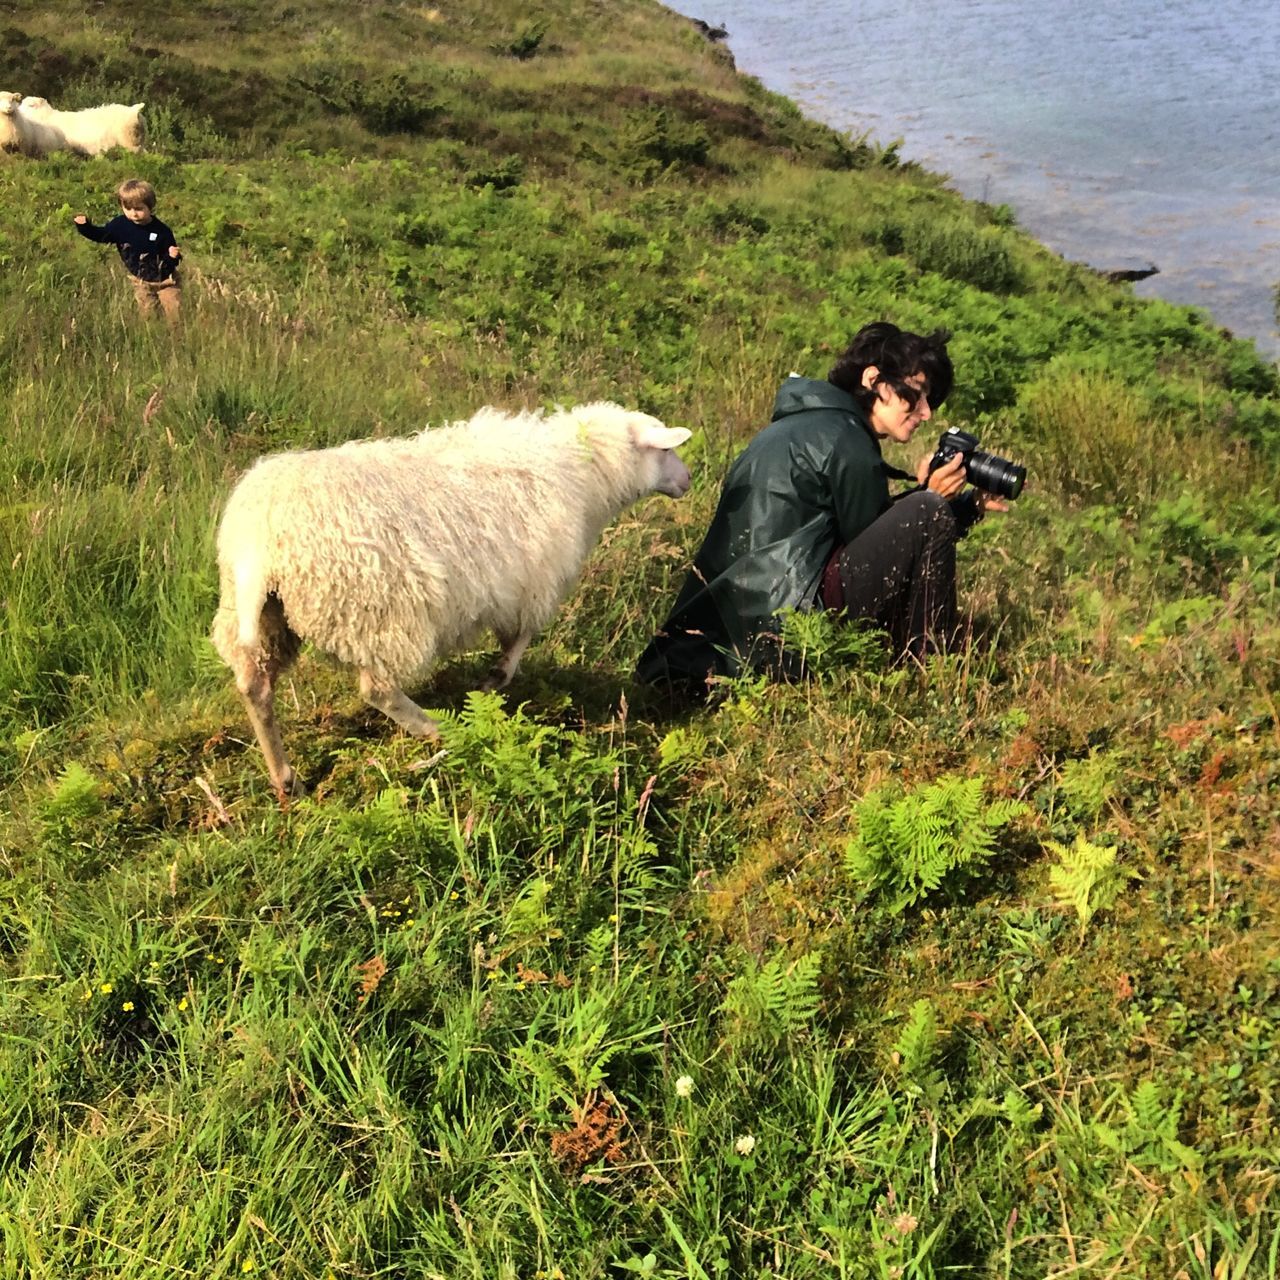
430	1022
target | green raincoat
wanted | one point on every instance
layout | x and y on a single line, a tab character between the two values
810	481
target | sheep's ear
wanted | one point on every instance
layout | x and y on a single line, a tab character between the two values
657	437
137	106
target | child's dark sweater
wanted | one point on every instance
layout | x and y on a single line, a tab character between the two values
144	249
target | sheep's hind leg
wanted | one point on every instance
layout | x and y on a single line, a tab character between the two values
256	681
512	651
393	701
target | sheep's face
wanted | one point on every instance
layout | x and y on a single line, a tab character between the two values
9	103
663	469
35	106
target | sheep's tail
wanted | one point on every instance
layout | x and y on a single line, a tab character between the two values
237	627
250	625
250	587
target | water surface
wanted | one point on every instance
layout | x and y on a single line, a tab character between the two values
1122	132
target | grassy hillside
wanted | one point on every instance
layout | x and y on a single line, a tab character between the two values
962	971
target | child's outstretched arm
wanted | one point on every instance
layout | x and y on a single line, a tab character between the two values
86	228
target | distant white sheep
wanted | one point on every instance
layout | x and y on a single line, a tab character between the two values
10	138
27	133
93	130
390	554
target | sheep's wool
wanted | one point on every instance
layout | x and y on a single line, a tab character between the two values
89	132
10	137
392	553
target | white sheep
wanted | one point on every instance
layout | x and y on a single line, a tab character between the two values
33	136
390	554
93	130
10	138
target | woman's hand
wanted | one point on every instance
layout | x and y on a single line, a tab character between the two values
947	480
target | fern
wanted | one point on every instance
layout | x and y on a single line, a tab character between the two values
1086	877
1018	1111
1150	1116
76	796
525	43
597	945
909	845
1087	784
507	763
768	1003
682	748
916	1046
527	916
510	752
636	852
820	640
67	814
915	1053
1149	1137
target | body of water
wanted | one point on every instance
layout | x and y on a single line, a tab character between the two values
1122	132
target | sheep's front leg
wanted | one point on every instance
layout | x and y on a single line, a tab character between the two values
394	702
256	682
512	651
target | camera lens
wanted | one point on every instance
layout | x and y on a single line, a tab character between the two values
995	475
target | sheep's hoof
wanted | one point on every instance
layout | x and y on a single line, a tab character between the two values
290	787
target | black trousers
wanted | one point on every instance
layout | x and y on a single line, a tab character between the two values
900	573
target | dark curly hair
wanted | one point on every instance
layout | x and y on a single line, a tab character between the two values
897	355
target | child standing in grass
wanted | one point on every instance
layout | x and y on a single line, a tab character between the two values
146	246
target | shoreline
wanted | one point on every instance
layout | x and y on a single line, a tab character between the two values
1107	212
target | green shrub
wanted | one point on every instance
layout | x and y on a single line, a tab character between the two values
392	104
954	248
384	104
525	43
178	131
1188	531
654	141
1099	439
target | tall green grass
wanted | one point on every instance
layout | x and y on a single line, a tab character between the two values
591	990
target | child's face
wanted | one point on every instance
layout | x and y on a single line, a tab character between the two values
138	214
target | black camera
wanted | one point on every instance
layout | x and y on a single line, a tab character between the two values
988	472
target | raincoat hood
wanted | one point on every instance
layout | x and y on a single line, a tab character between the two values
801	395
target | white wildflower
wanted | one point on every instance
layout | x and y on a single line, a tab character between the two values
684	1087
745	1145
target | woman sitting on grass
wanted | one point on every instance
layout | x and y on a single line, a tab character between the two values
806	521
